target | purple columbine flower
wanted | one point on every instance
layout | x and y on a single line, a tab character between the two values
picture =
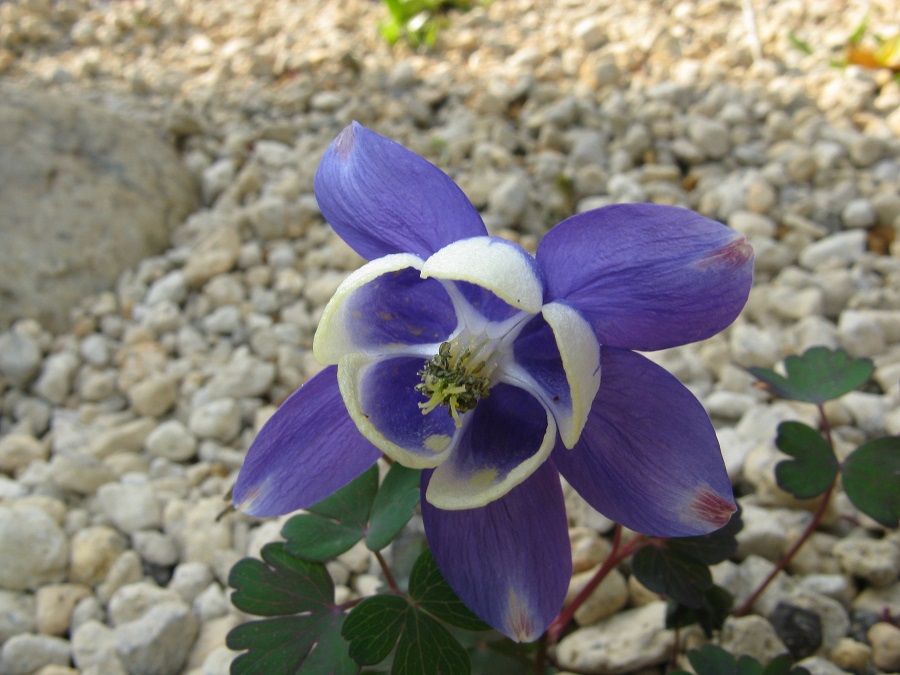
495	372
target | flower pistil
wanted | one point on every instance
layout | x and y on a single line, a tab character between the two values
456	378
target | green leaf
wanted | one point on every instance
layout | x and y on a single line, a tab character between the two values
423	645
282	584
814	467
871	478
819	375
712	660
427	647
374	626
430	591
291	645
710	615
335	524
393	506
668	572
711	548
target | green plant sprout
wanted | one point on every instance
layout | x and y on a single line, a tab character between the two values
419	21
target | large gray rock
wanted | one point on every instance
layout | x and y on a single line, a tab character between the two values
84	194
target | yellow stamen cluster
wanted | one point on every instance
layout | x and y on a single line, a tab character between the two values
454	378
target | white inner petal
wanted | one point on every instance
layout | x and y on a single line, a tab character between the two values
498	265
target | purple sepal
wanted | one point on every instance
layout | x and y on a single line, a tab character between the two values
308	449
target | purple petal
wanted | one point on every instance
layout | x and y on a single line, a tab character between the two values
648	457
382	400
506	437
647	276
559	354
381	198
384	307
509	561
308	449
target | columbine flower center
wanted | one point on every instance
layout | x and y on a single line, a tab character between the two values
456	377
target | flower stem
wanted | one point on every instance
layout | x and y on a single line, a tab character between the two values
388	576
807	533
615	556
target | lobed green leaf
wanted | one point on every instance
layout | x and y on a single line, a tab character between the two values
333	525
374	626
871	479
280	583
674	574
393	506
430	590
814	468
819	375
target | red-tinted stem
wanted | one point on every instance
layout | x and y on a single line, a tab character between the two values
616	556
807	533
388	576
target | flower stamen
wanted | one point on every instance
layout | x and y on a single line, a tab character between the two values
454	378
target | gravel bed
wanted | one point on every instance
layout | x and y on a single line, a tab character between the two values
120	434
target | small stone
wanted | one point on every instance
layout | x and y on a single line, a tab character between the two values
25	654
17	614
94	350
887	207
133	601
94	550
210	640
751	636
851	655
79	472
159	642
843	248
861	334
20	357
217	420
172	440
189	580
800	629
591	33
154	396
170	288
761	197
17	451
510	199
859	214
57	375
126	569
216	254
93	647
607	599
751	224
885	640
127	437
710	136
155	547
195	529
321	289
34	551
875	560
223	321
865	150
54	605
623	643
211	603
243	376
130	507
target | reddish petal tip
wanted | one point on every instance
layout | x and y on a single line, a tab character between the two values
711	508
